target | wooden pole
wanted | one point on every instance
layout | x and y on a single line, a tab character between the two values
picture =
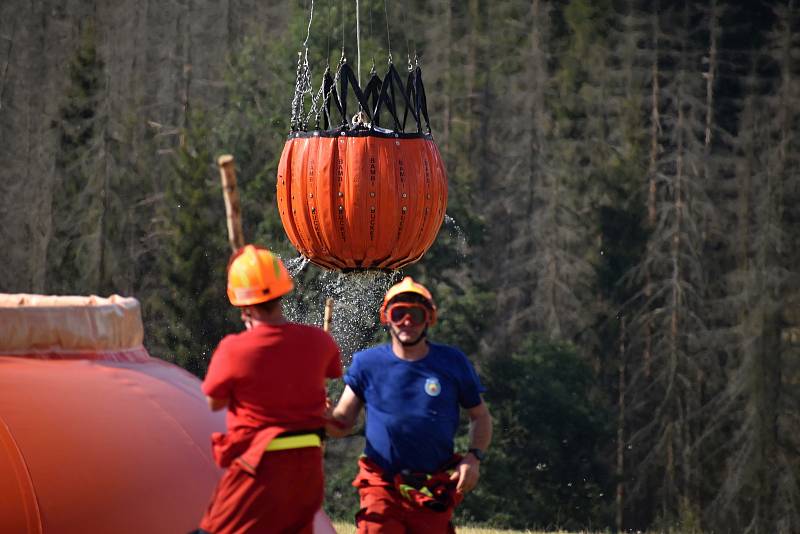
233	210
326	322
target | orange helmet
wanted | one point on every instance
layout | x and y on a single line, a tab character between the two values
408	285
256	275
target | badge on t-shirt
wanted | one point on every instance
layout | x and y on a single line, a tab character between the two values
433	387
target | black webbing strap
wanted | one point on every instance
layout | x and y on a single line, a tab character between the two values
328	91
393	83
416	91
385	99
346	75
377	96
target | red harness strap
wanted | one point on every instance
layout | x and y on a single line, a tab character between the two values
434	491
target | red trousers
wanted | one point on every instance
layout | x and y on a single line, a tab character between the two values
282	497
385	511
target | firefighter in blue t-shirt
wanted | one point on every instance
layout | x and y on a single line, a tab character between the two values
410	478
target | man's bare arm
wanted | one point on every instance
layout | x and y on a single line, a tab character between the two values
217	404
344	416
480	435
480	427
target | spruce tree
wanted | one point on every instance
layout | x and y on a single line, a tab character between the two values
191	305
546	467
77	249
103	197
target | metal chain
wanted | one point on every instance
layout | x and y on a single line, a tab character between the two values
302	85
318	100
301	89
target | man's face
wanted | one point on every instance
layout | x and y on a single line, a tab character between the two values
408	321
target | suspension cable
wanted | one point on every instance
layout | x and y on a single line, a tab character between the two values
405	34
358	43
388	35
371	38
310	20
341	8
330	30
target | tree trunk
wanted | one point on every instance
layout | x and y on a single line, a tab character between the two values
652	177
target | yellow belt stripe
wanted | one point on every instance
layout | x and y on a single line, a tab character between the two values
294	442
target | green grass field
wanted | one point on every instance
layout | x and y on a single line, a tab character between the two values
349	528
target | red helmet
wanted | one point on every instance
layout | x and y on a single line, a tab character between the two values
408	285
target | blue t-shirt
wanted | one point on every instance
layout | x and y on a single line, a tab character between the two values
412	408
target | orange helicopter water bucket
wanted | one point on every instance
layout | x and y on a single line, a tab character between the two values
362	196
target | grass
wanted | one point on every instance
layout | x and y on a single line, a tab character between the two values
349	528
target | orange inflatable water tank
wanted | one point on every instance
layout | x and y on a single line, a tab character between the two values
95	435
361	196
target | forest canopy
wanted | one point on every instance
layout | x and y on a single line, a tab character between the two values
620	259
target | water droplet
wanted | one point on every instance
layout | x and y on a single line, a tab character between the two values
456	234
357	298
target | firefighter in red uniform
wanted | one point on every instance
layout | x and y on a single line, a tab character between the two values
272	379
410	478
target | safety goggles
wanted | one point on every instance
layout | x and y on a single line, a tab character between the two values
417	313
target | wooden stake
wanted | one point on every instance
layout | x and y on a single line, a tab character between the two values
326	322
233	210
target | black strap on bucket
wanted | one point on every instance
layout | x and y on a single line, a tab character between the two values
378	96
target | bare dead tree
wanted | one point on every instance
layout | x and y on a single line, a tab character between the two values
671	326
760	486
527	133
